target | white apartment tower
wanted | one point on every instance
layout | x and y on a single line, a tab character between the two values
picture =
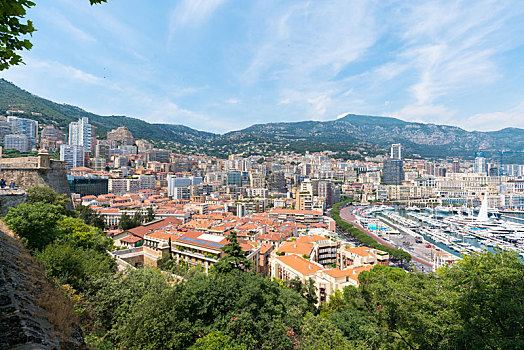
480	166
72	155
396	151
81	133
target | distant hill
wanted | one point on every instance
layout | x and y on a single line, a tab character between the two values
351	132
420	138
63	114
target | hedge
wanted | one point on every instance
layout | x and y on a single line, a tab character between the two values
363	237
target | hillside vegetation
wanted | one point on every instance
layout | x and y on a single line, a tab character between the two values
368	135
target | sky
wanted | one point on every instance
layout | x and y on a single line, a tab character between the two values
222	65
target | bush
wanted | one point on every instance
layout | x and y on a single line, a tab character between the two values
35	223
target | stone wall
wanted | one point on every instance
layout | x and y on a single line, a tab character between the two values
33	313
35	171
10	199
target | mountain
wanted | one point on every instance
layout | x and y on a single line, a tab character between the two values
352	132
63	114
420	138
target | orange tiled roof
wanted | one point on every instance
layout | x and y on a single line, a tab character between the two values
300	264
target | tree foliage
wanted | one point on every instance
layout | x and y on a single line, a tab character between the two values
35	223
90	217
476	304
234	259
45	194
127	222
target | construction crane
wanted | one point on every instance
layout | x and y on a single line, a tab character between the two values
13	106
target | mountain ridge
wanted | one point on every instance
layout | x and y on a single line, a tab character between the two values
418	138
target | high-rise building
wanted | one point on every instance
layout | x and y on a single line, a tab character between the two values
177	182
480	166
19	142
101	151
393	172
455	166
27	127
157	155
396	151
5	129
234	177
81	133
328	191
304	196
277	182
72	155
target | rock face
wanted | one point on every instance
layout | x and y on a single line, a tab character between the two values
10	199
33	314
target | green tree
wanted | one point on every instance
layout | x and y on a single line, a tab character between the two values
234	259
490	299
150	214
319	333
35	223
45	194
83	235
90	216
127	222
216	341
71	264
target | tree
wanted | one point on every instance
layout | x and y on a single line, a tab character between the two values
45	194
13	29
35	223
90	216
320	333
71	264
490	299
83	235
234	258
150	214
127	223
216	341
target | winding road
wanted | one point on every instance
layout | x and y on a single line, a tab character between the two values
345	214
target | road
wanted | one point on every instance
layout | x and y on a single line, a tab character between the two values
345	214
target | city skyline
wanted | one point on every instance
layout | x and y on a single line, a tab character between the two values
224	65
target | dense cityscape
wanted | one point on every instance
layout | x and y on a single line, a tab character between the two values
261	175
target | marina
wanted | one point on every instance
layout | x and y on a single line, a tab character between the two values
426	232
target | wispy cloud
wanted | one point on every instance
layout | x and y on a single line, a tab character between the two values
192	13
513	117
450	47
233	101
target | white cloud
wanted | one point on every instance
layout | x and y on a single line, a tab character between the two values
309	41
35	70
192	13
233	101
514	117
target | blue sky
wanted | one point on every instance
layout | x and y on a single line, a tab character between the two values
220	65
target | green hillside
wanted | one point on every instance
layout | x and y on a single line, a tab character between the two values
63	114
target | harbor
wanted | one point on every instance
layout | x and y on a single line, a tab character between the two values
438	237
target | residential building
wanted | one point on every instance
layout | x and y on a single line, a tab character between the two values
72	155
81	133
19	142
23	126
